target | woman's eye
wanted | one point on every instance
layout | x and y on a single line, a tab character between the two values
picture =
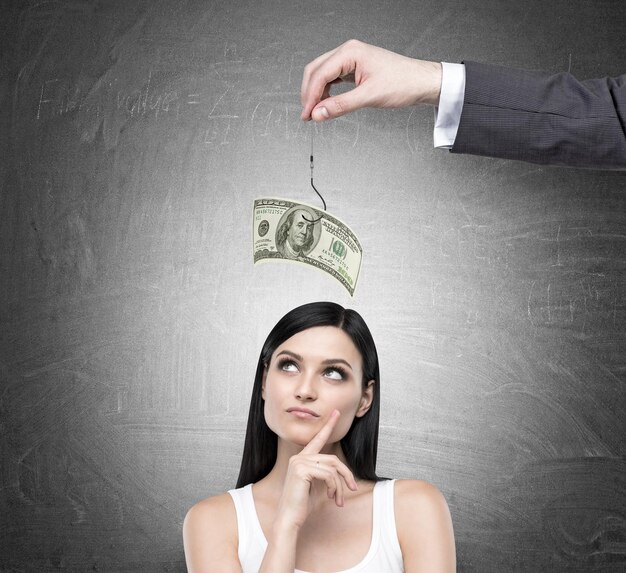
334	374
288	366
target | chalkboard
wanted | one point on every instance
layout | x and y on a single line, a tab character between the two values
134	137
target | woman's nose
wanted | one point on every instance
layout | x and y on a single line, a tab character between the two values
305	390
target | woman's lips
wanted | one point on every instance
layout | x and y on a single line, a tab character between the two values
303	413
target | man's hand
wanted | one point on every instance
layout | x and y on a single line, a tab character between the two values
382	79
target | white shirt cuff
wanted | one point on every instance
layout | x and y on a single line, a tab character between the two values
448	114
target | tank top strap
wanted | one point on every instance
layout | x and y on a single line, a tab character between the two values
384	518
252	542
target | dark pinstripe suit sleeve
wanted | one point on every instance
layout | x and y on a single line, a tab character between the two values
543	118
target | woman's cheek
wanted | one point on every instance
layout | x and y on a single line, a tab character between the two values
343	425
270	418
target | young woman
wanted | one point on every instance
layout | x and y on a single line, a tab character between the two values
308	498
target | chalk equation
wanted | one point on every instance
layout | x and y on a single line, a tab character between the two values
59	97
221	112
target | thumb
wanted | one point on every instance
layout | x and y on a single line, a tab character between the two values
341	104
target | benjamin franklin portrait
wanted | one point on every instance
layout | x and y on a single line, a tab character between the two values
298	233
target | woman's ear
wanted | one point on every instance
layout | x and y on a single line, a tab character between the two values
366	399
263	381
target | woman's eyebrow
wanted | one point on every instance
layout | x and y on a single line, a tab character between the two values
289	353
337	360
325	362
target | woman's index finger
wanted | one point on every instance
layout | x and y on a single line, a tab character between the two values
319	440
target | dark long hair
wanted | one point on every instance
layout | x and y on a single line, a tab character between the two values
360	444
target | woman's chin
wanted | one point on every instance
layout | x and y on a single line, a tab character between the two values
300	440
298	437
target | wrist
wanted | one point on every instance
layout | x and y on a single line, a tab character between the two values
285	529
428	77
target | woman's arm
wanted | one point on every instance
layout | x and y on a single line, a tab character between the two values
305	468
210	536
424	528
280	554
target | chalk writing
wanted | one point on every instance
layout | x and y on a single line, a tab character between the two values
584	302
272	119
58	97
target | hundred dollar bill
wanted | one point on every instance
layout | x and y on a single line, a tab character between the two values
290	231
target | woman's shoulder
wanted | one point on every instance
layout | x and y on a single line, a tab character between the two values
210	531
217	508
418	499
417	491
424	523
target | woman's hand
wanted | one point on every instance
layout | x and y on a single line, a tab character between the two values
382	78
308	467
308	474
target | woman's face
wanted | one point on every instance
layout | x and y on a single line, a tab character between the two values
309	375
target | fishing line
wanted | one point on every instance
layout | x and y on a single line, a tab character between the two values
312	184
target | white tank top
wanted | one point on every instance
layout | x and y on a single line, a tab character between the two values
384	553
